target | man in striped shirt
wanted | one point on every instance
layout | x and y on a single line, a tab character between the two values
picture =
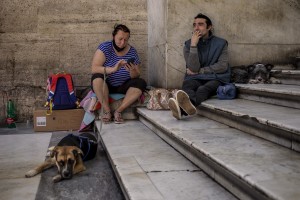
111	58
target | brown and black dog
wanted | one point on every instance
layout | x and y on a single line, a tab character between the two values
68	156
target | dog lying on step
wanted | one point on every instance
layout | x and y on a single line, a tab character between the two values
68	155
256	73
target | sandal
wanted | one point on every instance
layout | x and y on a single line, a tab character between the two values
118	118
106	118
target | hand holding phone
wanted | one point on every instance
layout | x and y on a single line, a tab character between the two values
130	61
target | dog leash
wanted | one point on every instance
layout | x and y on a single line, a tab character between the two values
102	109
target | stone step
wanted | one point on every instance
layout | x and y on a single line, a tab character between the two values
247	166
278	124
148	168
289	77
278	94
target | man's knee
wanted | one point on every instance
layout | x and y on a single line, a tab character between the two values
206	91
190	84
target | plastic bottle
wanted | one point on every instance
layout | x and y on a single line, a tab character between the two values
11	114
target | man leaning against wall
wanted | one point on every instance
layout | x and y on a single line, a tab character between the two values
206	57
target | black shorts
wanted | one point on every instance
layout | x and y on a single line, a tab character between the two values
122	89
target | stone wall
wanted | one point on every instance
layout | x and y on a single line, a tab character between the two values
41	37
257	31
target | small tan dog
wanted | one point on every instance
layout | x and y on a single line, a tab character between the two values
68	156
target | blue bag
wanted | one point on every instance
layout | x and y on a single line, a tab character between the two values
226	91
61	92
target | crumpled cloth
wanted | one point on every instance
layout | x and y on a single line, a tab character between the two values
91	104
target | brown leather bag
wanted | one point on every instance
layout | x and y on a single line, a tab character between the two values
159	98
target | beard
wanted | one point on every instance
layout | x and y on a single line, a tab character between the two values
118	49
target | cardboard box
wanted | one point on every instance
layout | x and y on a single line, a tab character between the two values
58	120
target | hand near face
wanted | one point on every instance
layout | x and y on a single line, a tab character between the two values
200	30
195	38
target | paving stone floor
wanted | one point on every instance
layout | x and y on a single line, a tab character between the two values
21	148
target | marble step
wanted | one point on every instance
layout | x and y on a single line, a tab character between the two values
247	166
278	124
278	94
289	77
148	168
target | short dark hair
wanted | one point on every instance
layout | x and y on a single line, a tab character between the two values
208	21
121	27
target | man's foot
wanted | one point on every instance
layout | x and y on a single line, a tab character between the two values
185	103
174	107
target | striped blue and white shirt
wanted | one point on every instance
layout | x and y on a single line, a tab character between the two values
111	58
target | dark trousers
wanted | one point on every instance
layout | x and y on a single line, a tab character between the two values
135	83
200	90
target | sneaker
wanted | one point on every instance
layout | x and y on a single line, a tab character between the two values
173	105
185	103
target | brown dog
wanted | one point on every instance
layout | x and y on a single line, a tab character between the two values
68	156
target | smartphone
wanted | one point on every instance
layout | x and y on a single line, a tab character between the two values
130	60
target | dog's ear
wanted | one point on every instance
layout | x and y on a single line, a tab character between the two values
53	152
269	67
250	68
77	152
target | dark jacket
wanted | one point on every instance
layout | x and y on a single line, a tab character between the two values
209	59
